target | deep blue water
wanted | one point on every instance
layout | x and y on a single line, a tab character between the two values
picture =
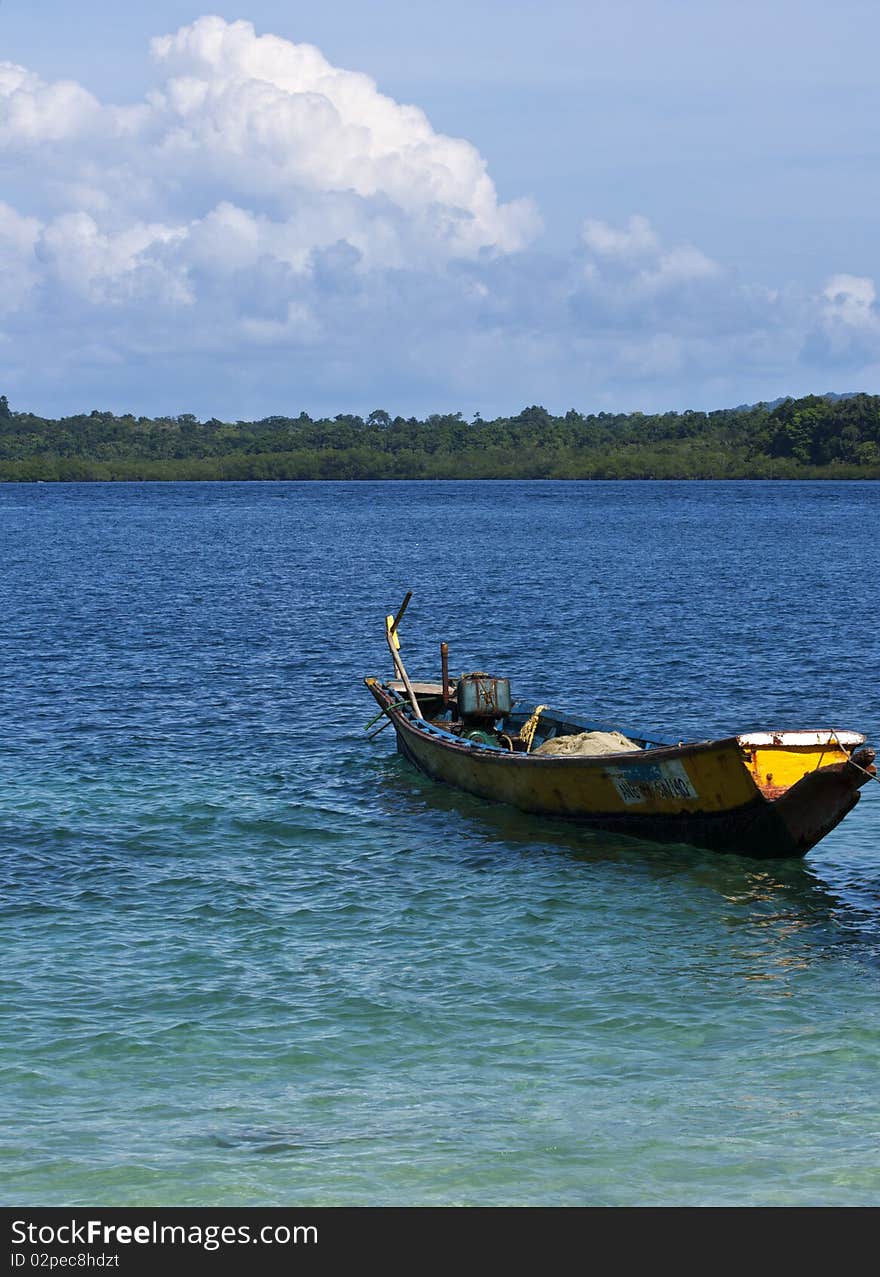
249	957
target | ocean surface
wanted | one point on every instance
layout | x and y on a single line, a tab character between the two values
249	957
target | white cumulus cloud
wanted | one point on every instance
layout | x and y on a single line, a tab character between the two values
18	236
266	231
252	120
635	240
850	300
846	330
633	256
32	111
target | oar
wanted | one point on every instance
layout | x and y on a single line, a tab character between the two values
404	605
399	666
391	624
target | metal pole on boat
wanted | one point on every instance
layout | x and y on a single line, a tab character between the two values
444	671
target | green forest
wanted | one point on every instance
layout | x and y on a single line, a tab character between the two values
816	437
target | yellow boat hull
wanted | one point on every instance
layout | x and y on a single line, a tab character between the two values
760	795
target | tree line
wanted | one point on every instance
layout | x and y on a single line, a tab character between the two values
818	436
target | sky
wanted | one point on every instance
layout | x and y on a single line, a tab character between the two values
272	207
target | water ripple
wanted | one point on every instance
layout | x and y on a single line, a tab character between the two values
250	958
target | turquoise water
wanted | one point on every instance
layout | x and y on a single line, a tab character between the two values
249	957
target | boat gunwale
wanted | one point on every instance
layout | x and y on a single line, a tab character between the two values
496	754
815	738
801	739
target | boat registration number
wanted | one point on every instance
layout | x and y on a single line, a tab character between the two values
643	781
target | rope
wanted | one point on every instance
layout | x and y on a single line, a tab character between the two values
387	723
530	726
852	762
386	709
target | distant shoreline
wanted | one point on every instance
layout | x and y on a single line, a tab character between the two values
806	477
816	437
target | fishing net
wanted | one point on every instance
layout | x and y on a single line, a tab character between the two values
590	743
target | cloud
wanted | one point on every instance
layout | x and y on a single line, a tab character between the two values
18	235
109	268
266	232
245	119
36	112
850	302
629	272
277	117
845	333
635	240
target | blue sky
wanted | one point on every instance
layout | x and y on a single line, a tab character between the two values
594	205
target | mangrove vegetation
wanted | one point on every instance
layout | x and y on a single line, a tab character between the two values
817	436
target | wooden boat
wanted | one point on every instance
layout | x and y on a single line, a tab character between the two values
771	793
